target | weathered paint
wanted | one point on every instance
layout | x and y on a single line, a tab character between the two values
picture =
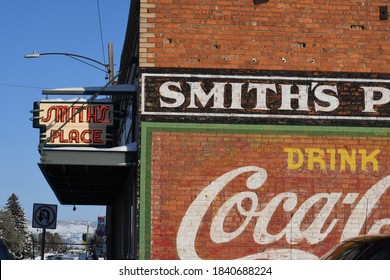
229	192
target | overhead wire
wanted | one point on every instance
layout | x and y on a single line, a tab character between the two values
101	31
82	106
94	96
19	86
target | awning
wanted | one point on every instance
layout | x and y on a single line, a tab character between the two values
88	176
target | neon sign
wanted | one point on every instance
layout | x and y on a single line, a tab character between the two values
74	123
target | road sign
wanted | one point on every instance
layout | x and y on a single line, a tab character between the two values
44	216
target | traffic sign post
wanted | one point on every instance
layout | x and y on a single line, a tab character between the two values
44	217
43	243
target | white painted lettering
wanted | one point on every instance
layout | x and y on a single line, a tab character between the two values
370	100
293	232
261	94
197	93
236	95
176	96
302	96
321	93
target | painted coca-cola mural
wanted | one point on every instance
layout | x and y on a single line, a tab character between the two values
240	185
233	192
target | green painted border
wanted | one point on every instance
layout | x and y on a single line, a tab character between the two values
145	183
382	132
147	129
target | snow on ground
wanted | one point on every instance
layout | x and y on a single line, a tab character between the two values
70	231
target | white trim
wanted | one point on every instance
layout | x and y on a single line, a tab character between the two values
265	77
142	94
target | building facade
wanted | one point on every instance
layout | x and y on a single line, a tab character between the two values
252	130
263	127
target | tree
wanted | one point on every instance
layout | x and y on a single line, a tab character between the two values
53	242
8	233
96	245
23	246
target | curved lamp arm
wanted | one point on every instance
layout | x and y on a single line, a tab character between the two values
71	55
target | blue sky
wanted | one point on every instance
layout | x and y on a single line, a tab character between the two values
70	26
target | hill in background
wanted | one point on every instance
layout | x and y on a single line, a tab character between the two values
70	231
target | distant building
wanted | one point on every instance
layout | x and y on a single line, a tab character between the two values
101	226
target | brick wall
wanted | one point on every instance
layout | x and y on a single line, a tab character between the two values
290	35
307	189
316	176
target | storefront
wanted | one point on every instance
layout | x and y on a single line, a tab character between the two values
84	158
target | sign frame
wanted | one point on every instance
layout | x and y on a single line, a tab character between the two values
44	216
75	123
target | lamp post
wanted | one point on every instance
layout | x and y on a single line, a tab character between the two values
109	68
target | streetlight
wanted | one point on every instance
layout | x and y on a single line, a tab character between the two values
109	68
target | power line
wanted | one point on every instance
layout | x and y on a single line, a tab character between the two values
101	31
19	86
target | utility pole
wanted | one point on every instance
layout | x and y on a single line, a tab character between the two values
86	246
111	73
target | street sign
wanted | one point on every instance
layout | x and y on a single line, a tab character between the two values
44	216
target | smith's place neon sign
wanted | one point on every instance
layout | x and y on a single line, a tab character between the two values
84	125
265	96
